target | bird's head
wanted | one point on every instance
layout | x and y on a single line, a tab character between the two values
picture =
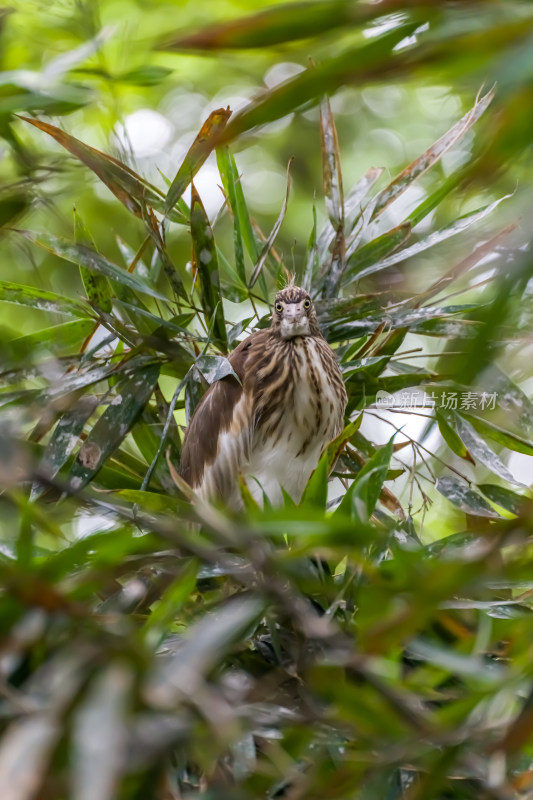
294	314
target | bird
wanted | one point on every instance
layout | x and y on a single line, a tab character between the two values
272	424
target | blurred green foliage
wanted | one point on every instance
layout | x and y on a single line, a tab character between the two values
373	641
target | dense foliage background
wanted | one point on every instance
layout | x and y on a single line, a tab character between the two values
165	167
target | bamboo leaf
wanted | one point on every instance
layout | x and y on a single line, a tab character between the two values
242	226
65	438
432	155
98	760
504	497
128	187
204	143
206	264
499	435
367	259
40	299
81	254
331	166
114	424
465	499
96	286
316	491
214	368
274	232
353	65
477	446
360	500
270	27
57	339
460	225
452	439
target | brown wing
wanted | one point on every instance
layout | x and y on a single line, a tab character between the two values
226	408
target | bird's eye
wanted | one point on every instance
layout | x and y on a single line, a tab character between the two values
279	307
307	304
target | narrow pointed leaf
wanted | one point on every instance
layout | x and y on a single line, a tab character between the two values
134	192
114	424
230	178
365	260
96	285
65	437
477	446
214	368
206	263
356	195
467	500
432	155
360	500
204	143
274	232
335	448
312	261
184	672
506	438
271	27
331	166
504	497
40	299
460	225
452	439
356	64
481	251
100	734
316	491
57	339
91	260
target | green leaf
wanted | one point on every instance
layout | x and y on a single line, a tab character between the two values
96	286
174	597
202	146
65	438
96	769
114	424
82	255
214	368
477	446
200	650
504	497
40	299
434	238
331	166
274	232
373	252
352	65
316	491
272	26
360	500
452	439
465	499
206	263
241	219
132	191
497	434
420	165
59	339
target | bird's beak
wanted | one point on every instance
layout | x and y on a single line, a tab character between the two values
294	321
293	313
